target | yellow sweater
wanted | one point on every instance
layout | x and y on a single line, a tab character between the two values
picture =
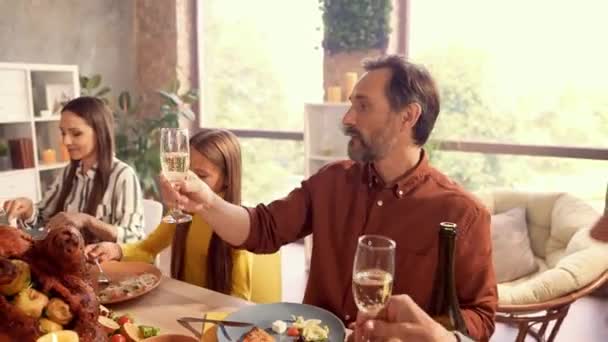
195	259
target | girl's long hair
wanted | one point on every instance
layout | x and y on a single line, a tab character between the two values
220	147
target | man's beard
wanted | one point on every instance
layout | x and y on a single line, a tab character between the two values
368	150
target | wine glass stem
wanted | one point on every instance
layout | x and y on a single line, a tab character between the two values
175	211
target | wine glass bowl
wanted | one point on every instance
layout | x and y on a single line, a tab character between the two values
175	162
373	273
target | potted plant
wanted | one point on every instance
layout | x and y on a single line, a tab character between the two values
353	30
5	160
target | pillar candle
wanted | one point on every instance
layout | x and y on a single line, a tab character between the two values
350	79
49	156
334	94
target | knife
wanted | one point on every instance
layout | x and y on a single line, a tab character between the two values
215	321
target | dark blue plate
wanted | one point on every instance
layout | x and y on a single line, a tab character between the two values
263	315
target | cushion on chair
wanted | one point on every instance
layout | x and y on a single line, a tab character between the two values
512	255
568	217
538	214
558	226
570	274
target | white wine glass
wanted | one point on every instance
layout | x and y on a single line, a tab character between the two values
373	273
175	162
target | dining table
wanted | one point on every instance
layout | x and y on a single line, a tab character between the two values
173	299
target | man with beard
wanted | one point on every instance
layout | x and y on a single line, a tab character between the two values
388	188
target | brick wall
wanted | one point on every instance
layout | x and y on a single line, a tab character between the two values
165	35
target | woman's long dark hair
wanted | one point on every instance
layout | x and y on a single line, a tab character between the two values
99	117
221	148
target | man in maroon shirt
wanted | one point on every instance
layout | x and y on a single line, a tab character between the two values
388	188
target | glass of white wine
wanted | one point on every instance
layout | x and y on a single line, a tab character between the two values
373	273
175	162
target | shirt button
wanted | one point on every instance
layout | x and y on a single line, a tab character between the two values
400	193
380	203
347	318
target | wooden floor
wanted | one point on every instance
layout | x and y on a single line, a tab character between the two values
587	320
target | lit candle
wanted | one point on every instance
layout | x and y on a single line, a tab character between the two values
350	79
334	94
49	156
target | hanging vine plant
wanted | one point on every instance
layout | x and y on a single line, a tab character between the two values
352	25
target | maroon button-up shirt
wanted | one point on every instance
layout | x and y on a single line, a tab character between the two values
345	200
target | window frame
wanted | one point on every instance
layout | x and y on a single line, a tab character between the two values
402	7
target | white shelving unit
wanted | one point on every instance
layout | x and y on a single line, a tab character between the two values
324	143
24	91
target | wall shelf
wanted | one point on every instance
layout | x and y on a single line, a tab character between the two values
324	141
48	118
14	122
13	172
54	166
24	90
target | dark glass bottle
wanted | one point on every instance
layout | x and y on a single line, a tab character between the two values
445	308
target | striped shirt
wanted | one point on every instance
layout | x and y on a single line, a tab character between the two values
121	205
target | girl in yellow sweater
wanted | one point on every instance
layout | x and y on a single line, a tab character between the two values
199	256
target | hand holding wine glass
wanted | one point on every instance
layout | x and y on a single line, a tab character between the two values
401	320
373	272
192	194
175	163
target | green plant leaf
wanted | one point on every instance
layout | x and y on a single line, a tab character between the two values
170	97
355	24
103	91
191	96
94	81
165	108
168	120
187	113
83	81
124	101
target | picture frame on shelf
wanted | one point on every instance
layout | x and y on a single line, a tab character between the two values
57	95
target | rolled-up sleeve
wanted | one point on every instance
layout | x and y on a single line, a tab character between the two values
128	209
281	222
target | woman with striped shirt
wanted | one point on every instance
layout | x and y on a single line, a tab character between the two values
96	193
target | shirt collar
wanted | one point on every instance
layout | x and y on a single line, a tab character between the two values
404	183
90	173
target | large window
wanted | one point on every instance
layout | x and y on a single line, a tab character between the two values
518	72
271	169
260	62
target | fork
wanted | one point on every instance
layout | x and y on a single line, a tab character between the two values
103	278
